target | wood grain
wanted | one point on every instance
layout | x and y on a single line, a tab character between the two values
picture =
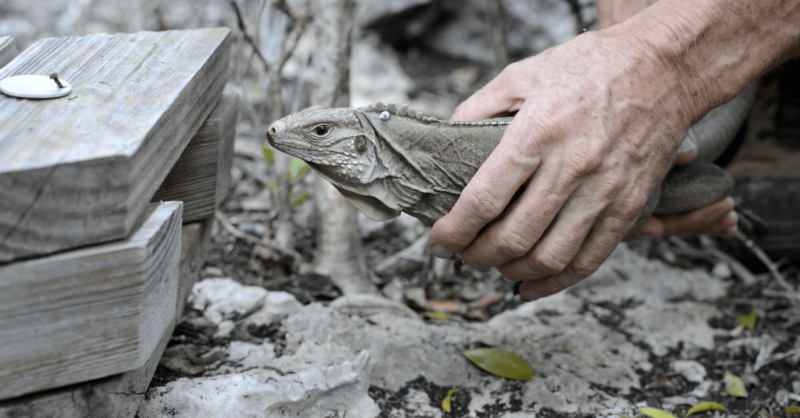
8	50
118	396
92	312
80	170
202	176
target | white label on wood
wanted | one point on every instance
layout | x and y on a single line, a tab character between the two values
81	171
89	313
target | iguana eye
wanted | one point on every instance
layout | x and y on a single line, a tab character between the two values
321	130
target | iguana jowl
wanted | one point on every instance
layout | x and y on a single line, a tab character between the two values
387	159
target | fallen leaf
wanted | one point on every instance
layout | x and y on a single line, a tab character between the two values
487	300
705	406
500	363
655	413
269	155
792	409
449	306
446	401
747	320
437	315
734	385
658	383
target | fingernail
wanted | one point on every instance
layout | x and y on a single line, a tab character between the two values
716	215
529	295
687	145
734	219
730	200
441	252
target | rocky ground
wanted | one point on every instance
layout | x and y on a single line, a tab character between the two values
262	336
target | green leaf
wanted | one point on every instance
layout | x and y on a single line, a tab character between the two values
500	363
734	385
655	413
747	320
300	199
446	401
297	168
705	406
269	154
437	315
273	185
793	408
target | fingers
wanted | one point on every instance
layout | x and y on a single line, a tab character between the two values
488	193
524	222
717	218
599	244
499	97
653	227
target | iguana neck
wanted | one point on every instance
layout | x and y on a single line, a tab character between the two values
433	160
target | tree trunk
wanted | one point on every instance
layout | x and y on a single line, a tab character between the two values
339	254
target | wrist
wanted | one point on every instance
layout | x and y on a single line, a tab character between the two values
713	48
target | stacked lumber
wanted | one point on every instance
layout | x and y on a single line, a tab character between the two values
107	197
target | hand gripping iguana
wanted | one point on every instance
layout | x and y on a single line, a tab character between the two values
388	159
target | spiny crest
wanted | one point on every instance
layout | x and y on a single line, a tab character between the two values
385	111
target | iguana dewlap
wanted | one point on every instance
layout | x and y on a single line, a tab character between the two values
387	159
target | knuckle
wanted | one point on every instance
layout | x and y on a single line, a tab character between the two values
584	268
585	159
513	244
484	205
546	263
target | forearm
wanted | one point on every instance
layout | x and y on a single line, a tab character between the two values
714	48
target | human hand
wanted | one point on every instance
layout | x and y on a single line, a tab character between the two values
717	218
598	119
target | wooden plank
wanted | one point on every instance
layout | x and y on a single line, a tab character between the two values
118	396
202	176
81	169
92	312
8	50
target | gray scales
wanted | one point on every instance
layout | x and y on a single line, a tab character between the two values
388	159
81	169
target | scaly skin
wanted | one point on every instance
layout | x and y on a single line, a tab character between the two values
387	162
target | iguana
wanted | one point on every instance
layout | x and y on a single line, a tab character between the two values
388	159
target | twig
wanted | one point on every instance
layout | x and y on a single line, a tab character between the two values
493	10
791	293
738	268
228	226
246	36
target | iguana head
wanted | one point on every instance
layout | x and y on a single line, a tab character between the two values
342	146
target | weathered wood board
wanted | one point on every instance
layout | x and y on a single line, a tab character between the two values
8	50
89	313
81	169
118	396
202	176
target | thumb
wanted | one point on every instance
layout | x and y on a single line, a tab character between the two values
497	98
687	151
